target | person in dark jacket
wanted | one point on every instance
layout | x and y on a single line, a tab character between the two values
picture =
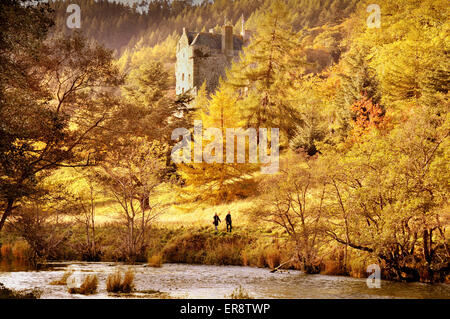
228	220
216	221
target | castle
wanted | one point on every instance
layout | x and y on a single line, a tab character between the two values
204	57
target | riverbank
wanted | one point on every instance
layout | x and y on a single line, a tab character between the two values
245	246
186	235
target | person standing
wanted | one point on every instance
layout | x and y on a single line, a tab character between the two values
228	220
216	221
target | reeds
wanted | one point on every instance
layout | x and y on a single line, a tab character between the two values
88	287
239	293
116	284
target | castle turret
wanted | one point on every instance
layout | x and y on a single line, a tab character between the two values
245	34
227	40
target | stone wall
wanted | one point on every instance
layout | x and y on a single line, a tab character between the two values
209	66
197	64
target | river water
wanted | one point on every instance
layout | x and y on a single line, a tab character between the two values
202	281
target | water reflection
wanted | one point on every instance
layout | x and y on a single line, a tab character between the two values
15	265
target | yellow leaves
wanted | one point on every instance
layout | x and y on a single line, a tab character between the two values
163	52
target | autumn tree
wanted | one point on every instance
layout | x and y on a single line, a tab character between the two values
131	176
211	175
45	222
311	128
52	108
85	200
269	65
53	122
387	199
294	200
147	110
367	116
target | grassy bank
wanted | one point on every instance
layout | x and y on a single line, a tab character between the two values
186	235
193	245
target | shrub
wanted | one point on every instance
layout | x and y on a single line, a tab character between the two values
21	250
244	258
358	267
115	283
204	247
6	293
239	293
88	287
155	261
273	257
128	281
6	251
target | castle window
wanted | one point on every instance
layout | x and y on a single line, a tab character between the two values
189	78
182	77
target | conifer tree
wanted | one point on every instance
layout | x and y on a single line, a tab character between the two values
213	176
268	67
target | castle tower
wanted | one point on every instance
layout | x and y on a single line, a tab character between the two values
227	40
203	57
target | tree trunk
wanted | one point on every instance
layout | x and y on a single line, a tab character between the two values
6	213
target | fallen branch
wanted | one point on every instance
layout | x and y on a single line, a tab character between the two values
281	265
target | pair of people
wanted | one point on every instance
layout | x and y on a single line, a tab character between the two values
227	220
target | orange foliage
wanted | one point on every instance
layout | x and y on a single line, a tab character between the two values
368	115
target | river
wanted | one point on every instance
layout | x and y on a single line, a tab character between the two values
203	281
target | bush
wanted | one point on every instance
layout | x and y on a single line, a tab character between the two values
6	251
115	283
21	250
6	293
88	287
239	293
204	247
273	257
128	281
155	261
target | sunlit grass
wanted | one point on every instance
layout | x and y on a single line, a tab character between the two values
184	215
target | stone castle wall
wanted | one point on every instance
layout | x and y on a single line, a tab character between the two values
197	64
184	69
209	66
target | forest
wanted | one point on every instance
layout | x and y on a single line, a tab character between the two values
87	116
